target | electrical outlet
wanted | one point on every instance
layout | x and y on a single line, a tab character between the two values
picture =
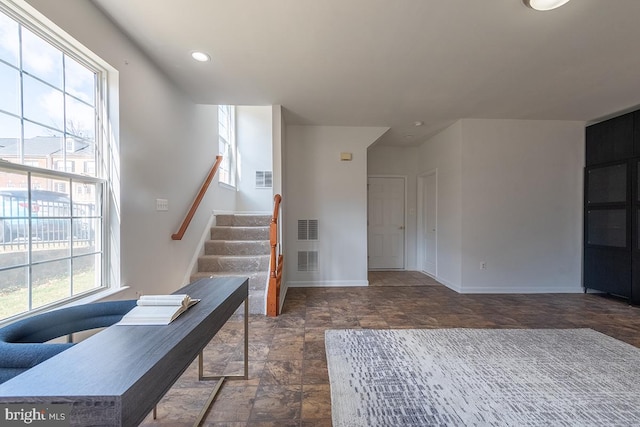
162	205
483	265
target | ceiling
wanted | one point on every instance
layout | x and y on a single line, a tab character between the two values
394	62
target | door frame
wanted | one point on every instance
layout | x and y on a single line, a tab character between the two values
404	231
420	229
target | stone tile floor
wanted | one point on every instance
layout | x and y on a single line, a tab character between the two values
289	385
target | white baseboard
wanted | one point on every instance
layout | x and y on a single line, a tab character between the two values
450	285
226	212
328	284
206	235
523	290
253	213
569	289
222	212
283	295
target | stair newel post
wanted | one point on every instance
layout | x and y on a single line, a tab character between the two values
275	268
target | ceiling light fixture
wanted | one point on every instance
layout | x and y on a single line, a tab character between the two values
418	123
200	56
544	4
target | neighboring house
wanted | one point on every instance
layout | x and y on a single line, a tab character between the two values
509	193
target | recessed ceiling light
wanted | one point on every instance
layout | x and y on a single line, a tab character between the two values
200	56
544	4
418	123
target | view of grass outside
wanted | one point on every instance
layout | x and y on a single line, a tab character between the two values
14	299
50	278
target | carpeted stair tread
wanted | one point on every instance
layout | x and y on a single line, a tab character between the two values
239	247
239	233
236	247
233	262
257	279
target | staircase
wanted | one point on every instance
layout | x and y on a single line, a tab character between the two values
239	246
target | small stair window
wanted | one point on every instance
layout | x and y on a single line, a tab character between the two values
227	144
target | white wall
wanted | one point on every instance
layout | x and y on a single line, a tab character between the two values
167	145
279	171
320	186
522	187
277	134
509	195
394	161
255	148
443	153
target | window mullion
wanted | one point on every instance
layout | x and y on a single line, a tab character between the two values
21	72
29	247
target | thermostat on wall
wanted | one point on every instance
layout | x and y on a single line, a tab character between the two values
345	157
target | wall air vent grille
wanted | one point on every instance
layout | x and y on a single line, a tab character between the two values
307	229
264	179
307	260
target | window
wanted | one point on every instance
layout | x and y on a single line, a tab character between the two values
227	144
60	187
90	168
64	166
52	248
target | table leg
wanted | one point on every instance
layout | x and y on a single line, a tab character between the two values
222	378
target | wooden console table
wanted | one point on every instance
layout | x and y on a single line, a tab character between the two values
117	376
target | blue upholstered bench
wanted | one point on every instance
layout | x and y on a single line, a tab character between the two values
23	344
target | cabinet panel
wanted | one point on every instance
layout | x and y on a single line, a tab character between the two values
607	184
635	236
607	227
610	140
608	270
612	207
636	133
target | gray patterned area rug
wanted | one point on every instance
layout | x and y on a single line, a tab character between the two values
482	377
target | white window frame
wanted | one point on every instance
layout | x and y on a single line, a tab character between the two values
227	145
30	18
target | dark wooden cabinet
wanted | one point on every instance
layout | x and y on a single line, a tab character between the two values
611	140
612	207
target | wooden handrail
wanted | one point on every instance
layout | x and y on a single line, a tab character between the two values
276	264
196	202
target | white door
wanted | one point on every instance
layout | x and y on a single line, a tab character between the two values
386	222
429	223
